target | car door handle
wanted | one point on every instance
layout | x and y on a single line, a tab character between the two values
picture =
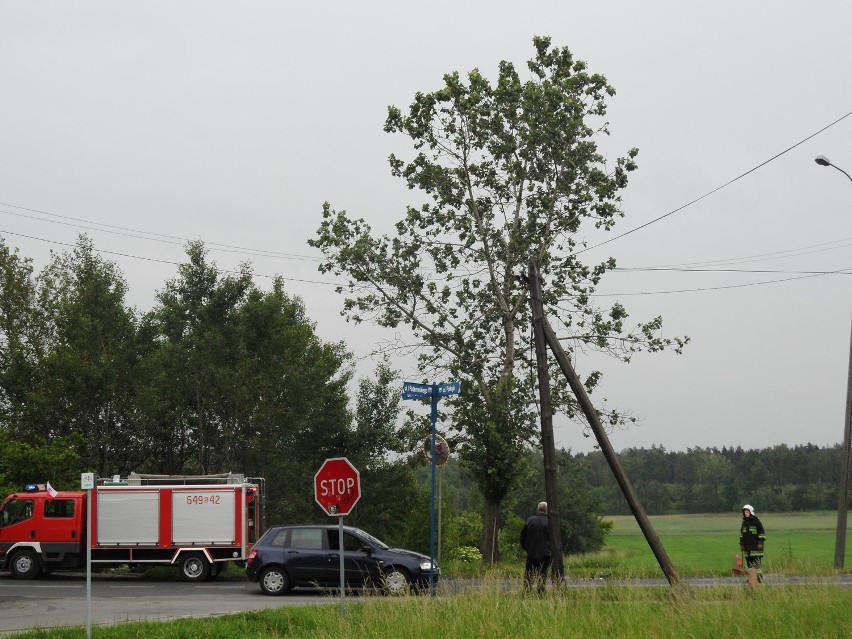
334	555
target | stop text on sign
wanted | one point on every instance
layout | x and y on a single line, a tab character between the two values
332	487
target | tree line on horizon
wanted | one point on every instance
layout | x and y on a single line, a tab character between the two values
778	478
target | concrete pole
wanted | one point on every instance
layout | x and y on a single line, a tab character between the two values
842	508
547	441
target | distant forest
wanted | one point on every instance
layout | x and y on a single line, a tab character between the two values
700	480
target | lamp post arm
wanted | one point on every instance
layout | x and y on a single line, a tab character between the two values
842	171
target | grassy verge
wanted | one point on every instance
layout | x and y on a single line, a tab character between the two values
778	612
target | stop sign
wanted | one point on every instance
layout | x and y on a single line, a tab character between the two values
337	486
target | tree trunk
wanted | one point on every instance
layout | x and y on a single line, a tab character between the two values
490	530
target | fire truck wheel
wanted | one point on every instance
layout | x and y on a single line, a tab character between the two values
194	567
274	581
25	565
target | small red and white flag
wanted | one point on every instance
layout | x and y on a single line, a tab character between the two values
51	491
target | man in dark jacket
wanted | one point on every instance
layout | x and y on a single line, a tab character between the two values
752	539
535	539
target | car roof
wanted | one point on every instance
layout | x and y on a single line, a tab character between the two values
323	526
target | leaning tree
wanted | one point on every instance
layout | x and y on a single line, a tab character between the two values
510	172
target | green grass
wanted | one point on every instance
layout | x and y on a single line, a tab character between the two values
707	545
734	612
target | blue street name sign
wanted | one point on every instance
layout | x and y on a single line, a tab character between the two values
450	388
411	390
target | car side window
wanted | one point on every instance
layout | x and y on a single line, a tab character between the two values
306	538
280	539
351	543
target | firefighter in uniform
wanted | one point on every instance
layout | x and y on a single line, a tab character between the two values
752	540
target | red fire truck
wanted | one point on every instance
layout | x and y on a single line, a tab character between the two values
197	523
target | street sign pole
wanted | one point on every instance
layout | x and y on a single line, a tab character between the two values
432	505
88	563
342	581
87	483
412	390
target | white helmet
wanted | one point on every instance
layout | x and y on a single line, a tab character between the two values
749	508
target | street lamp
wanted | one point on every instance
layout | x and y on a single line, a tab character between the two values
824	161
840	541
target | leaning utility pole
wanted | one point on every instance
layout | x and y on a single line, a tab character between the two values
547	443
602	438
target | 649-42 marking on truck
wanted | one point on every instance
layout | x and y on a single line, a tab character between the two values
201	500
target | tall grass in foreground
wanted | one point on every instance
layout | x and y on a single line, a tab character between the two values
622	612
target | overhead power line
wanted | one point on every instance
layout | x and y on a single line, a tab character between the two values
159	261
147	235
643	269
717	189
843	271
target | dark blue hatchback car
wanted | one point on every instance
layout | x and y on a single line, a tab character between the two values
309	556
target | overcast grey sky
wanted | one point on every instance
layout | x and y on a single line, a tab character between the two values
233	122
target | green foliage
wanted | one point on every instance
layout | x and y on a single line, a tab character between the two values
462	531
775	479
24	463
68	366
510	534
465	554
580	505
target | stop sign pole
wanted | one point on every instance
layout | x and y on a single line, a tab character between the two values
412	390
337	488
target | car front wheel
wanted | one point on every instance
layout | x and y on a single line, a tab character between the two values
397	581
274	581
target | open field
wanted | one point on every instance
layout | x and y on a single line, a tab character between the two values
777	612
707	545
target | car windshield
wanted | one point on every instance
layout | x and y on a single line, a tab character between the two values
373	540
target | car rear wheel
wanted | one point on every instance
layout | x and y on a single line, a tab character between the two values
194	567
274	581
25	565
397	581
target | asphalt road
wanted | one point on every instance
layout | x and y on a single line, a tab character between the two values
60	600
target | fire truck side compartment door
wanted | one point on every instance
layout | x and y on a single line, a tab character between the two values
128	516
203	516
